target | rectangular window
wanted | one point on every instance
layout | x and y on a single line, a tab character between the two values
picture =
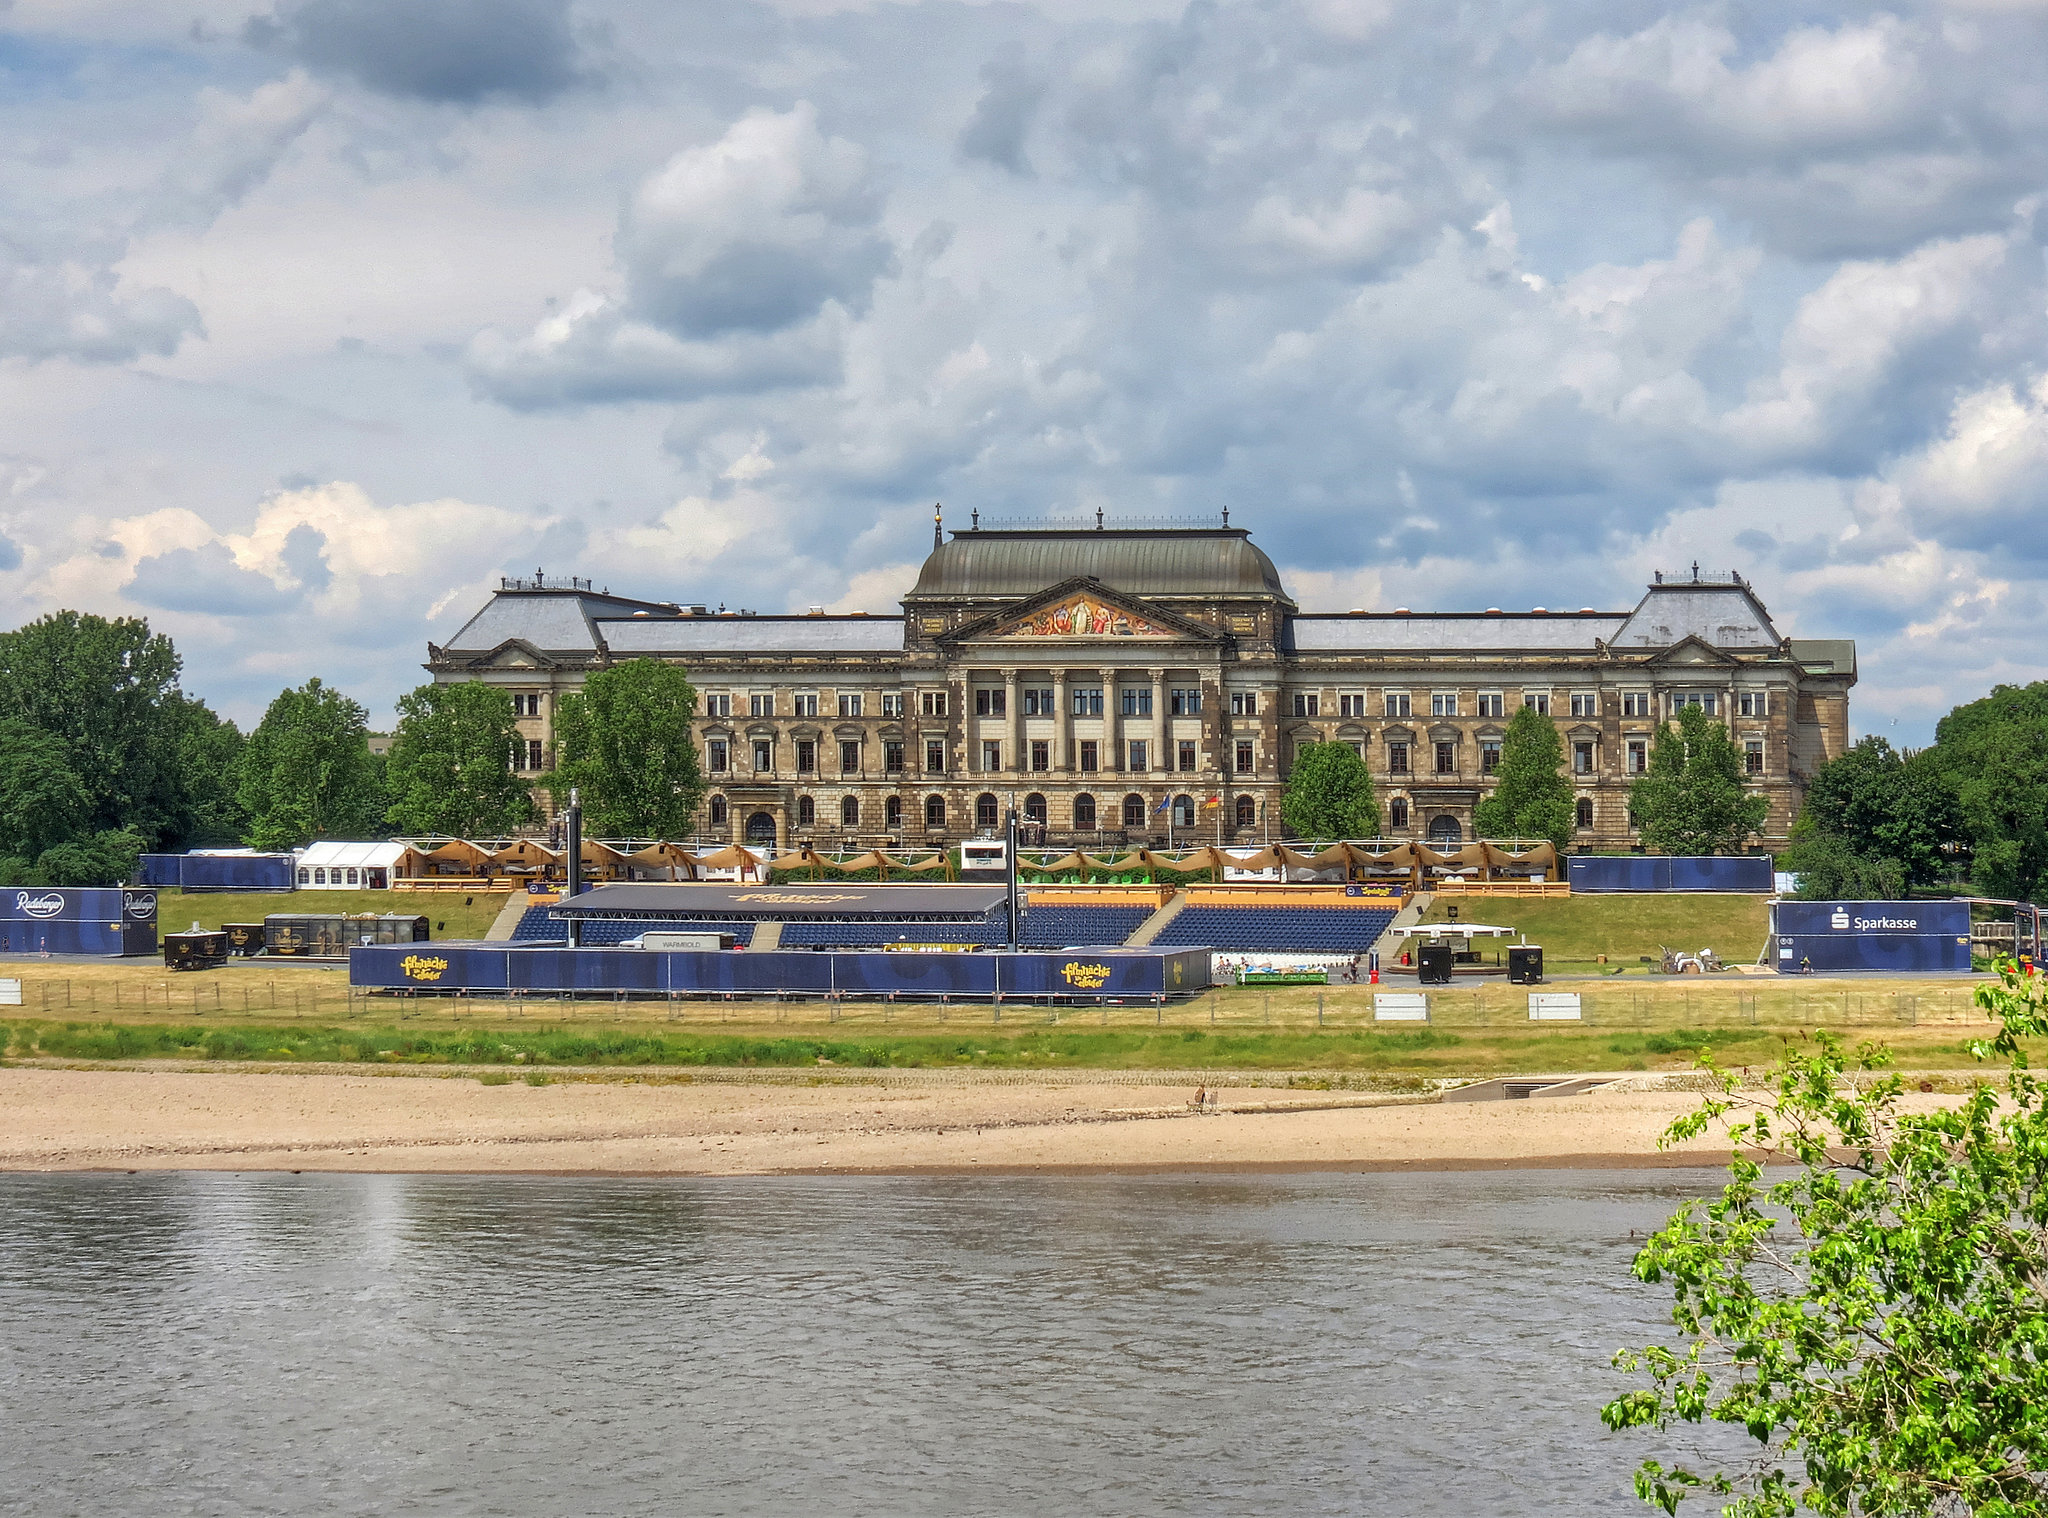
892	757
806	704
1585	703
1638	756
536	754
935	756
1244	756
1489	703
1187	755
1397	703
1753	703
719	705
1443	703
1397	814
991	701
806	757
1186	702
1136	700
1087	700
1537	700
1138	755
932	703
892	703
849	703
1489	755
1351	706
761	704
1091	754
991	754
1397	758
1635	703
1753	757
720	755
1706	700
1041	755
1447	758
764	754
849	756
1582	758
1307	704
1244	703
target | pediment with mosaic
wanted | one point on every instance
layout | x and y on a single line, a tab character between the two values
1085	617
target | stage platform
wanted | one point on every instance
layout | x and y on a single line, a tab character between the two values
497	969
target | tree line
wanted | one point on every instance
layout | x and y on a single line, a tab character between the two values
104	757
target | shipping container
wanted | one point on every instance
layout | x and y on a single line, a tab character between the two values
77	920
329	935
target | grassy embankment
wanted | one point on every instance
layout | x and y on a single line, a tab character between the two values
453	915
1576	930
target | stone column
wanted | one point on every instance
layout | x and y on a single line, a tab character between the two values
1062	720
1013	725
1113	729
1162	724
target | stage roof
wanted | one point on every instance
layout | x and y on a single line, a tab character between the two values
787	903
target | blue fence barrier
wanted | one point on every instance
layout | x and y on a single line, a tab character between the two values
217	872
1929	937
491	970
1594	873
77	920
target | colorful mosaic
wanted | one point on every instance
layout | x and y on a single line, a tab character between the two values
1085	617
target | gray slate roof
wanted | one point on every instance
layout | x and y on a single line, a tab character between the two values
717	635
556	620
1569	632
1721	616
1143	562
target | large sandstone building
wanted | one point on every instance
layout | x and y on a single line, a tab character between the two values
1125	685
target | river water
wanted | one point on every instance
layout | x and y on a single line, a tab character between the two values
1381	1344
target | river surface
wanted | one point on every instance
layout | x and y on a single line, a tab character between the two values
1379	1344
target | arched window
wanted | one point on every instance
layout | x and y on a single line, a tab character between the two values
718	811
1585	811
1247	812
806	811
1183	811
1034	808
1084	811
849	812
1397	815
892	812
1134	811
935	811
1444	828
985	811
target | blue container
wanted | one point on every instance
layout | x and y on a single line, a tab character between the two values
1595	873
1926	937
235	872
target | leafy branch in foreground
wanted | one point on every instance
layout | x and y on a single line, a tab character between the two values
1875	1321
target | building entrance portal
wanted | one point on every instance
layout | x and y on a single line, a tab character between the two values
761	830
1445	830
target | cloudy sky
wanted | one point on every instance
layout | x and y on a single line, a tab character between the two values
317	315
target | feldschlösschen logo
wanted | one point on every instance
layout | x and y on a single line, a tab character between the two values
420	967
38	906
1085	977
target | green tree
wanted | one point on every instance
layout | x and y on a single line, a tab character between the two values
1830	869
624	742
42	801
103	688
1994	753
209	759
1532	798
450	766
1874	1320
1329	794
1691	801
1876	814
307	771
101	859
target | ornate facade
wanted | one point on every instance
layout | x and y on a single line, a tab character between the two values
1127	685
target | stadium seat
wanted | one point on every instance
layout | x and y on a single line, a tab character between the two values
1281	929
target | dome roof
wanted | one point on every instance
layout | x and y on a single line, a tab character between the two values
1141	561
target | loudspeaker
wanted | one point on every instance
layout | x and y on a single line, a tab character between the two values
1525	965
1433	964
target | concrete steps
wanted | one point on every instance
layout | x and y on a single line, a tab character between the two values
1152	926
767	935
1388	944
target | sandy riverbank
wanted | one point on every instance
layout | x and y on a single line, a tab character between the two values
248	1120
